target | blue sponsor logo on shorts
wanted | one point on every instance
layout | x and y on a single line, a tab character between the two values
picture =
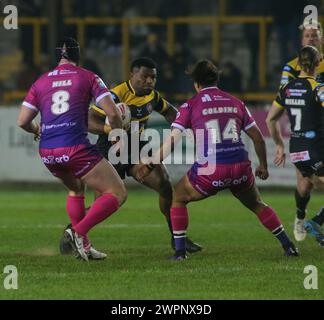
310	134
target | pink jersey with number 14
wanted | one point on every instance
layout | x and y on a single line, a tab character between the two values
222	118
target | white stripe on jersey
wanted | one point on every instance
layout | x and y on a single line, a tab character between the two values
29	106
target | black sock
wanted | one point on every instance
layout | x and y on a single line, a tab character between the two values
301	204
319	218
282	236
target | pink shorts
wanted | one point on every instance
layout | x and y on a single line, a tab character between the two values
78	160
236	177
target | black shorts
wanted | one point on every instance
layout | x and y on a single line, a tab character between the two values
122	168
308	157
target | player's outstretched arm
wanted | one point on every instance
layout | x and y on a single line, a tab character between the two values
165	149
260	149
171	114
272	120
108	105
168	145
25	120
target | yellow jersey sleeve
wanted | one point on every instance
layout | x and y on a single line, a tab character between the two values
162	105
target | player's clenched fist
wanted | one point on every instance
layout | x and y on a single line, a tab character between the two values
262	172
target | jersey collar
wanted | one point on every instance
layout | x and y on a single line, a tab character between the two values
130	87
207	88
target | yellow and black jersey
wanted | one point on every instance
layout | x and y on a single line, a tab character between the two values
140	107
292	70
303	99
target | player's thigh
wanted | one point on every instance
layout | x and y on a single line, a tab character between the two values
184	193
318	181
250	198
304	184
74	185
105	179
157	180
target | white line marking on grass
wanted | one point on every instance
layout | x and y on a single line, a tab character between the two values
62	226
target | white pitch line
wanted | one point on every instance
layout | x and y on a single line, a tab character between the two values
62	226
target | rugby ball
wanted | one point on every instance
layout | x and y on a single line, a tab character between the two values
125	115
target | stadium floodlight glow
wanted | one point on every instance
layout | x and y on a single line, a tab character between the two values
11	20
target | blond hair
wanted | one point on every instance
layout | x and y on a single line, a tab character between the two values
316	25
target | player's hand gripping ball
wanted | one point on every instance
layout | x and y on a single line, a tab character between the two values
125	115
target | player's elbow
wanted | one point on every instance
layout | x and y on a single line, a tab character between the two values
258	139
21	123
269	120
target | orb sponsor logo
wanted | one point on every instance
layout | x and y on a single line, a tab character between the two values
55	160
229	182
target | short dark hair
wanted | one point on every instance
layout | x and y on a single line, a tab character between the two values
143	62
67	48
308	58
205	73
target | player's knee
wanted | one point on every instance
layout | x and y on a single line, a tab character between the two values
304	187
76	193
259	206
166	190
121	195
180	198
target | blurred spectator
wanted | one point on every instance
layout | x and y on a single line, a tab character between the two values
287	16
27	75
166	79
138	32
32	8
46	63
86	8
183	59
179	8
230	78
251	31
92	66
154	50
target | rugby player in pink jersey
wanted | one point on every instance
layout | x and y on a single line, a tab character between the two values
221	118
62	97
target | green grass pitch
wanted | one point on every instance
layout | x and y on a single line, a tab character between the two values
240	260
